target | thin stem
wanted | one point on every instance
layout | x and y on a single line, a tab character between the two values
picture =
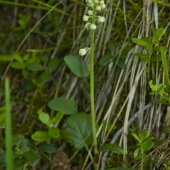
92	90
8	128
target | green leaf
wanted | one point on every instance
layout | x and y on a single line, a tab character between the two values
56	119
112	148
35	67
136	137
144	135
105	59
54	133
48	148
78	130
157	35
137	154
143	57
144	42
31	156
44	118
77	66
147	145
63	105
40	136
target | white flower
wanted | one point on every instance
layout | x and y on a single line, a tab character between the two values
96	1
98	8
89	1
103	6
101	19
90	12
92	26
102	2
85	18
83	51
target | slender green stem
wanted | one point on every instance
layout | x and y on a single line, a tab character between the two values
92	90
8	127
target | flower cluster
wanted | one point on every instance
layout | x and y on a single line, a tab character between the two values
94	6
92	17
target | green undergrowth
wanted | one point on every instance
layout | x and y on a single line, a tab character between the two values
86	79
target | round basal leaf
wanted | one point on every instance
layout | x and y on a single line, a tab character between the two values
54	133
40	136
76	65
63	105
35	67
44	118
78	130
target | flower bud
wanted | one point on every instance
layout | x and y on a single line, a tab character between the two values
85	18
90	12
101	19
103	6
83	51
92	26
98	8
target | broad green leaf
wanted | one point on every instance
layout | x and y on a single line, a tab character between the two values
18	65
111	45
63	105
76	65
105	59
78	130
54	133
112	148
48	148
40	136
35	67
31	156
44	118
144	42
157	34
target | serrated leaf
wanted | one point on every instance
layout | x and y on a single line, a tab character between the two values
40	136
76	65
78	130
63	105
112	148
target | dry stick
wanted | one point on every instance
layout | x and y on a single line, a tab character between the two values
119	132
